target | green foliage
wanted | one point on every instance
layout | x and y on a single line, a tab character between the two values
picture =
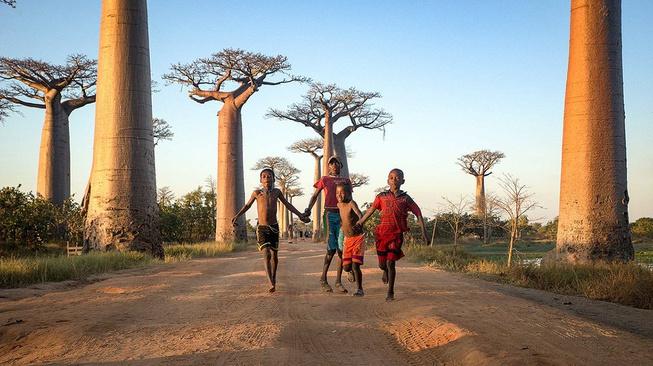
191	218
26	220
642	228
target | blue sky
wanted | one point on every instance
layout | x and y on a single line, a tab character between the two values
457	76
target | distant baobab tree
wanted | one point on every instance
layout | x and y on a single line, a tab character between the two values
323	105
122	212
58	90
312	146
209	80
161	130
593	224
479	164
358	180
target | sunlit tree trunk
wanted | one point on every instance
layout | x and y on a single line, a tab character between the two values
122	209
593	221
480	195
317	209
230	176
327	150
53	179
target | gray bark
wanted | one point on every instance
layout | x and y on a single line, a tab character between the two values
53	178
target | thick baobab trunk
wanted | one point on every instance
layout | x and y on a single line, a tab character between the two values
480	195
230	176
317	209
593	222
341	152
327	149
53	179
122	210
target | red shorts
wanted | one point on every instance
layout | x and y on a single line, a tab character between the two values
388	246
354	250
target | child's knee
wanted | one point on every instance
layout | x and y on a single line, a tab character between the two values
339	253
383	266
346	267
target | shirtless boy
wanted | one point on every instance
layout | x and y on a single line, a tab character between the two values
267	230
389	234
354	247
332	218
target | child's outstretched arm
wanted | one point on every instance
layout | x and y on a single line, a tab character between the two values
312	201
245	208
420	219
292	208
367	215
357	211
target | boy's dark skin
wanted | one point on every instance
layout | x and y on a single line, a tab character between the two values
395	181
266	205
349	216
334	170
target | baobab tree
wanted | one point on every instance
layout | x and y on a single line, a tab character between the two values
312	146
358	180
515	203
122	208
323	105
161	130
286	178
478	164
593	222
208	80
58	90
292	192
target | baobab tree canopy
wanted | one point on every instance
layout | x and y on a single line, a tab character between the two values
479	164
38	84
324	104
230	76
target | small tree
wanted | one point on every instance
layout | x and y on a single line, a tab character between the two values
59	90
209	79
161	130
455	215
515	203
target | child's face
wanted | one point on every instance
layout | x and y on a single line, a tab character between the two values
267	179
342	195
395	180
334	168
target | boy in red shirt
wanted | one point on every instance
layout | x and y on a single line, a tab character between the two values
332	215
394	205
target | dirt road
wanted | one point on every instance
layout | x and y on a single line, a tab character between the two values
217	311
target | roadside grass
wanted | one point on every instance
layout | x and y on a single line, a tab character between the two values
21	271
624	283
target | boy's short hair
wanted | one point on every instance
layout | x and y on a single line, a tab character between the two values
269	170
399	171
345	185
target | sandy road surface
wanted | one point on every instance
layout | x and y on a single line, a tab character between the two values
217	311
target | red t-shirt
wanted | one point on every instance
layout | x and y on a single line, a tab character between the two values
394	211
328	184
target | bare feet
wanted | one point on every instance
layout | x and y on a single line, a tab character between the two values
359	293
341	288
390	297
272	289
325	286
384	278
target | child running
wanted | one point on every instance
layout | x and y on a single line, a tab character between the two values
354	246
332	218
394	205
267	230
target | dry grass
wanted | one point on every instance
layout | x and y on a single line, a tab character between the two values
624	283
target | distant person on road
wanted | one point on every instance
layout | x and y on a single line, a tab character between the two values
267	230
332	219
394	205
354	243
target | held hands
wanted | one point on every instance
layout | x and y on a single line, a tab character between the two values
307	212
305	218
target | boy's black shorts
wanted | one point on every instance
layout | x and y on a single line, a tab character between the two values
268	236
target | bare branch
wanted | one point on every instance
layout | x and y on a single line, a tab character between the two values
161	130
358	180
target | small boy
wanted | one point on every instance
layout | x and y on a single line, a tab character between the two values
267	230
332	218
394	205
354	247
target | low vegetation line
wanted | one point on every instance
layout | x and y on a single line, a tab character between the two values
624	283
21	272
